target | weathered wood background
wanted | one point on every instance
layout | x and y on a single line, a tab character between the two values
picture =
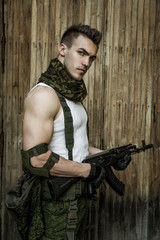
123	101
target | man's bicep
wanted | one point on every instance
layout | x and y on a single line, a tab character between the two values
38	121
36	130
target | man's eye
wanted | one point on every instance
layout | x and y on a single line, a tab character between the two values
81	53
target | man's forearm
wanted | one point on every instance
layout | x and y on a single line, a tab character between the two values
67	168
63	168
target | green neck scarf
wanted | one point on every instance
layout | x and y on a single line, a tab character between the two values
58	78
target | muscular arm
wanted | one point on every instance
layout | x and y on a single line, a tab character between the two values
41	108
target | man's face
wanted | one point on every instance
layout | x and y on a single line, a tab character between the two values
79	57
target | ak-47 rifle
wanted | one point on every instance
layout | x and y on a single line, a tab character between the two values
119	158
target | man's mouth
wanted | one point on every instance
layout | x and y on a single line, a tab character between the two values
81	70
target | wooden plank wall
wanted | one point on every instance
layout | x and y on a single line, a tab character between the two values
1	100
16	79
123	101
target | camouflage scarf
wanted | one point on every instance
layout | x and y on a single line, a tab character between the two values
57	77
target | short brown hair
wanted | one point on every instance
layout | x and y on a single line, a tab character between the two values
75	30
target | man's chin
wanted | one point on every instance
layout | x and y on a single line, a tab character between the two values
78	78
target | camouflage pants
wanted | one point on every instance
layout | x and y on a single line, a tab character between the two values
56	219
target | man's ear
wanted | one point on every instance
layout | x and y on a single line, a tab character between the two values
62	49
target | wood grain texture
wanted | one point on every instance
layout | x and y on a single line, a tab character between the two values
123	101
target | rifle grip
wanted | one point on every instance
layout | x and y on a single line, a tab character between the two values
114	182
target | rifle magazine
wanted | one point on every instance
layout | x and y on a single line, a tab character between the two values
114	182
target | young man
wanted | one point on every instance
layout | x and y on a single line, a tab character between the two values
44	123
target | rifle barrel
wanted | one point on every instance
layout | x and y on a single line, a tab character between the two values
145	147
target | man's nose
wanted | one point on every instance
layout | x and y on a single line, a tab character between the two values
86	61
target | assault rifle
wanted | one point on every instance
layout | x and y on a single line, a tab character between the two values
118	158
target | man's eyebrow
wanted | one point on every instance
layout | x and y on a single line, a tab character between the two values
86	52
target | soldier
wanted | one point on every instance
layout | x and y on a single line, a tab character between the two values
44	125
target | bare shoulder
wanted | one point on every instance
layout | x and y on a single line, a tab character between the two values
41	92
42	100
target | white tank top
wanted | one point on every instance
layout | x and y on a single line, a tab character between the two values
57	144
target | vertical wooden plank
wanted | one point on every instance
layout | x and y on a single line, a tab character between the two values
88	76
33	59
111	105
81	17
115	79
1	103
121	124
114	99
138	76
57	26
8	110
108	36
139	114
94	209
154	192
24	64
99	77
4	86
45	34
107	76
103	56
97	101
126	70
91	89
145	178
70	12
152	12
130	112
120	85
39	52
111	98
75	11
88	104
133	52
15	86
20	63
51	33
64	11
87	13
8	90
